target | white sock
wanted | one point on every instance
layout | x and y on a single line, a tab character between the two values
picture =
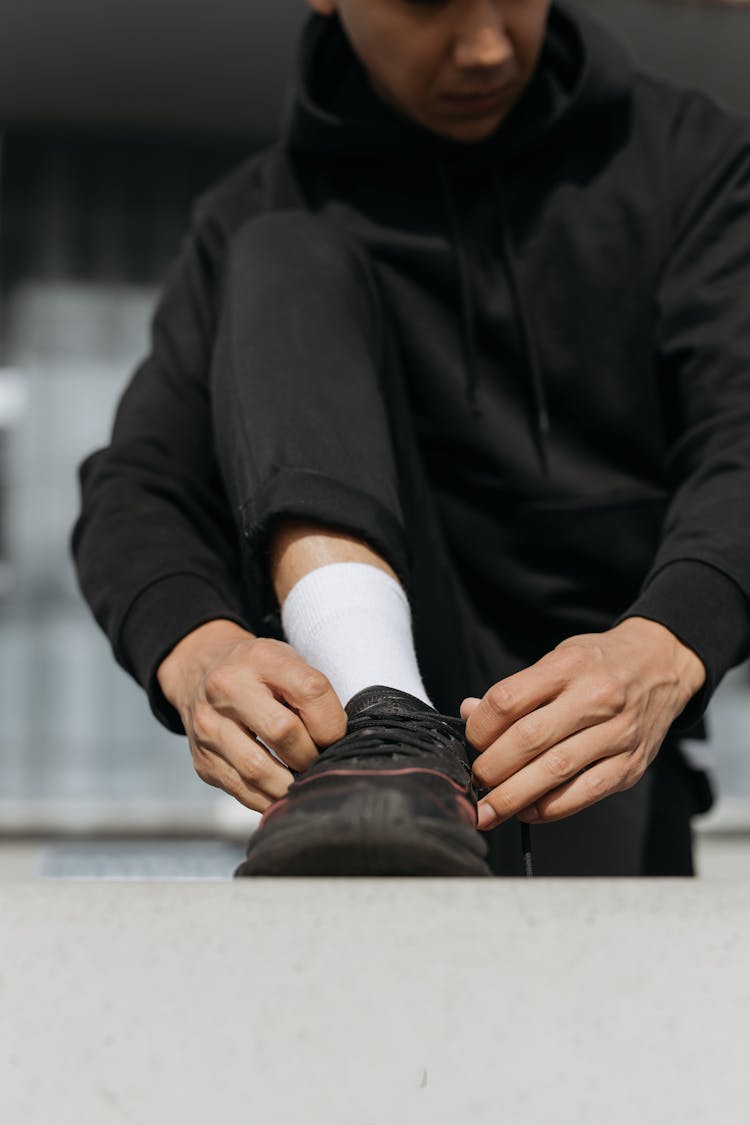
352	622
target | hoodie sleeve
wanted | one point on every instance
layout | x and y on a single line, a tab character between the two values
699	584
155	545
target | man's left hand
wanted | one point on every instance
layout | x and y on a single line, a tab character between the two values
582	723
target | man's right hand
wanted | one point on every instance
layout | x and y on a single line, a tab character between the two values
231	688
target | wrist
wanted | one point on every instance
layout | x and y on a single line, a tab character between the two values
190	655
688	668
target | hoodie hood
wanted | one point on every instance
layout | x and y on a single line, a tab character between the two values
333	112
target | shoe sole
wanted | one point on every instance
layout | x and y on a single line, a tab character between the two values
365	839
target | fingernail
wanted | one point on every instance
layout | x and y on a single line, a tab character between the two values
529	815
485	815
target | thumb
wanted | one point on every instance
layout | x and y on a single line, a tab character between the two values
469	704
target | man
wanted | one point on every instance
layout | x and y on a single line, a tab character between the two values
449	389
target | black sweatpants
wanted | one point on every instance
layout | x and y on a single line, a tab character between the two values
313	419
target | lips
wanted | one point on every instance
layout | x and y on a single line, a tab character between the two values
477	103
480	95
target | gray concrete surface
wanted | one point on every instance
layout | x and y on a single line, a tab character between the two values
374	1002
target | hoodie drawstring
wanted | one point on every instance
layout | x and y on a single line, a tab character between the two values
468	322
540	412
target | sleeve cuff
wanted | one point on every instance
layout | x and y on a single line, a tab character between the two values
164	613
707	612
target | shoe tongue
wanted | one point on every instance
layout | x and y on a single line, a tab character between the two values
384	700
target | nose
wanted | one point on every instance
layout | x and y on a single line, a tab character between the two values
482	40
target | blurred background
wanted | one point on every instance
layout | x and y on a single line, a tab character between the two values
114	116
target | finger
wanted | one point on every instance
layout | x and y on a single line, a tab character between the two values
531	735
469	705
216	771
311	694
509	699
218	736
260	713
595	783
548	773
255	764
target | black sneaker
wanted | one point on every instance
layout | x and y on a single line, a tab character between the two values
394	796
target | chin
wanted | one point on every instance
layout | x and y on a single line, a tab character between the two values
472	134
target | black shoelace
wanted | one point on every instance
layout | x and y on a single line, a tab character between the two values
427	729
528	859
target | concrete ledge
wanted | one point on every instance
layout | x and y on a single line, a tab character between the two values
374	1002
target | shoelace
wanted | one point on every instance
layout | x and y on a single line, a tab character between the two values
528	859
369	732
424	734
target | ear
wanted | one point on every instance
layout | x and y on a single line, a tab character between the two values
323	7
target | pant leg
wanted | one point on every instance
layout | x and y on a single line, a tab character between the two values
312	419
299	422
680	792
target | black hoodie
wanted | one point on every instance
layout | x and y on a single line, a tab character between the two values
580	375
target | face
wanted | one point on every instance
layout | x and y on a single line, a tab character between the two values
426	58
